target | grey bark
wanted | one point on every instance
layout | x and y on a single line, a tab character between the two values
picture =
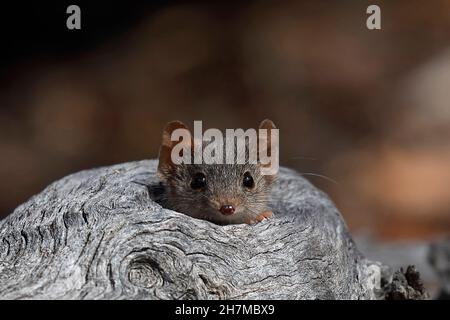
98	234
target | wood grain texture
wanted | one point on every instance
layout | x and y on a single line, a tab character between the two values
98	234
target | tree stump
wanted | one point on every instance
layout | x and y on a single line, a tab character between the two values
98	234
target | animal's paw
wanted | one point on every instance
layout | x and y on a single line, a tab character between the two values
260	217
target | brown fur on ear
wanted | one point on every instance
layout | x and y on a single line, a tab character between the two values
268	125
165	164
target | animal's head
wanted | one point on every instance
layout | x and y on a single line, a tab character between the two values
222	193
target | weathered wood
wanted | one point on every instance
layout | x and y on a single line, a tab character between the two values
97	234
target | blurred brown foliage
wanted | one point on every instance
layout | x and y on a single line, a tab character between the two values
368	109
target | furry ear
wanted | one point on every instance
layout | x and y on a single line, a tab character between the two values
267	140
267	124
166	165
268	157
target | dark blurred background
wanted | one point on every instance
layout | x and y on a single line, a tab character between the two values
369	110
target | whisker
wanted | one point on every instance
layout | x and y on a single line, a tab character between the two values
318	175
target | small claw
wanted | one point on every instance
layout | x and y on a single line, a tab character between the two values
264	215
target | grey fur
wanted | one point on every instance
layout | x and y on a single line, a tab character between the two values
97	234
223	186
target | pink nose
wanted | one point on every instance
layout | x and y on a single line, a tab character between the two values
227	209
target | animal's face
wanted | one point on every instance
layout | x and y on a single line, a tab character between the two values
220	193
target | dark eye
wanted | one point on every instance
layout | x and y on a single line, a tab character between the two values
198	181
248	181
